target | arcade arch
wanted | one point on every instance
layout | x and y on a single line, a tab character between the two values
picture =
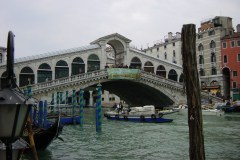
61	69
135	63
44	73
148	67
161	71
26	76
93	63
173	75
226	82
78	66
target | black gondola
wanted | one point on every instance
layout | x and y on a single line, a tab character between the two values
44	136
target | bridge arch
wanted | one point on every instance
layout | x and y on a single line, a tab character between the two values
161	71
135	63
119	50
173	75
44	73
61	69
93	63
148	67
26	76
78	66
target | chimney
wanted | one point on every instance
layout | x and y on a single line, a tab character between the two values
169	36
238	28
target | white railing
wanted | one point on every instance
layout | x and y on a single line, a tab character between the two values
67	80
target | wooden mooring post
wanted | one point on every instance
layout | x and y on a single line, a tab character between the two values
191	79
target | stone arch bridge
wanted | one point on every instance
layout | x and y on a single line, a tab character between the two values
135	87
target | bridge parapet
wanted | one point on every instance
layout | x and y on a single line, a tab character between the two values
76	79
156	79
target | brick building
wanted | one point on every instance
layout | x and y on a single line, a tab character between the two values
230	50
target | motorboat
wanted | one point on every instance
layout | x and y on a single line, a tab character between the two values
137	114
183	110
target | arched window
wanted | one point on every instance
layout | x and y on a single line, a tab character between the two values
93	63
212	44
200	47
61	69
165	55
78	66
202	72
135	63
201	59
26	76
213	57
181	78
173	75
161	71
44	73
214	71
148	67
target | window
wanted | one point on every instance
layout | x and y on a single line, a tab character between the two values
224	45
225	59
213	57
200	36
212	44
200	47
174	54
165	56
238	43
211	32
238	57
201	60
173	43
235	74
232	43
234	84
165	46
1	58
214	71
202	73
157	49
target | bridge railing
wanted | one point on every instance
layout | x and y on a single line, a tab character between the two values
67	80
162	80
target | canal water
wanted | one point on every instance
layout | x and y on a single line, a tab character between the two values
149	141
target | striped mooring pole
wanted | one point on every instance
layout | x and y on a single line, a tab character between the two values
40	113
81	107
29	94
66	102
74	107
99	109
52	103
45	105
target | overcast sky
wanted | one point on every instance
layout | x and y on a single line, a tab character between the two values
50	25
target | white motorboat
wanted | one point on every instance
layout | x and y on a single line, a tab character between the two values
183	109
137	114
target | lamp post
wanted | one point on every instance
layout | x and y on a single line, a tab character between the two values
13	107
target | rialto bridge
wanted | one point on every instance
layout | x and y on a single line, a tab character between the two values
160	81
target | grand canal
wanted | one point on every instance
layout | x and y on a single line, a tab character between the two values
130	141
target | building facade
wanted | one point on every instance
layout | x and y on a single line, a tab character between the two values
208	45
231	64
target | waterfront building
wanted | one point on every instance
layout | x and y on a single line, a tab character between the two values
3	53
231	64
168	49
208	46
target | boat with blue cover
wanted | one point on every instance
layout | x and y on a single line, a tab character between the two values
137	114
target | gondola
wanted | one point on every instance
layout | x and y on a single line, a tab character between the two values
43	136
